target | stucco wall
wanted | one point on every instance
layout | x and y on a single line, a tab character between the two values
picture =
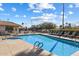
15	30
2	27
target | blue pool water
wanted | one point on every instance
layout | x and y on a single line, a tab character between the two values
55	45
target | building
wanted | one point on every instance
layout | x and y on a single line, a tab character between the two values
10	27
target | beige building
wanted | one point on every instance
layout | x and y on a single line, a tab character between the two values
10	27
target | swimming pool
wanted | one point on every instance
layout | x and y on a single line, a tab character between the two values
54	45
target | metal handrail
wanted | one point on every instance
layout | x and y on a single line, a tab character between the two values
38	44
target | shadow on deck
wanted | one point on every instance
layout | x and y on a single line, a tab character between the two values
33	52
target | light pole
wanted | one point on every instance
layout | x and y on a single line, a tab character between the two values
63	18
31	22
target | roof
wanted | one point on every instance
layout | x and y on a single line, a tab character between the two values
7	23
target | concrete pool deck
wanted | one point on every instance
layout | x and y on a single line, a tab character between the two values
75	54
20	48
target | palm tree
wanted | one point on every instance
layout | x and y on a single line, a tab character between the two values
22	23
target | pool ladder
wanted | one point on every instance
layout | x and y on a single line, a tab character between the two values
38	44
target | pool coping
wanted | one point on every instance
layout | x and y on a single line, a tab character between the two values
59	37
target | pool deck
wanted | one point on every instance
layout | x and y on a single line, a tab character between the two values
75	54
20	48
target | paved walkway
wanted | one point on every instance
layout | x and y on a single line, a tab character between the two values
20	48
75	54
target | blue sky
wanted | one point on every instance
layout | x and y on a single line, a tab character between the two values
36	13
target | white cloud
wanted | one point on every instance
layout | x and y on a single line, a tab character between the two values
61	12
70	12
24	16
37	11
46	6
71	6
1	9
16	15
41	6
77	24
49	15
13	9
45	17
76	4
61	17
0	4
31	6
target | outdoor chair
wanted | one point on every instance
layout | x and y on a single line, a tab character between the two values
71	35
66	33
61	33
76	35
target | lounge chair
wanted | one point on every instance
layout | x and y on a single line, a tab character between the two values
66	33
61	33
72	34
58	32
76	35
53	32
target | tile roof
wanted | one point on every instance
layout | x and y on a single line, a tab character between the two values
7	23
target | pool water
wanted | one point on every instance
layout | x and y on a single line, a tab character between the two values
54	45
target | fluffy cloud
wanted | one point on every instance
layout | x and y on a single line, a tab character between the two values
77	23
61	12
31	6
0	4
76	5
1	9
70	12
13	9
65	17
45	17
16	15
24	16
71	6
41	6
37	11
46	6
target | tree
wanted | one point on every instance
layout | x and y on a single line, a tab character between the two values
45	25
68	25
48	25
60	26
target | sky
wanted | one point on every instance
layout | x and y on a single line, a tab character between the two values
36	13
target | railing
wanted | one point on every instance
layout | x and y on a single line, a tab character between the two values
38	44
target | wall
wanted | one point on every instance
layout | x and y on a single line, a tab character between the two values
2	28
